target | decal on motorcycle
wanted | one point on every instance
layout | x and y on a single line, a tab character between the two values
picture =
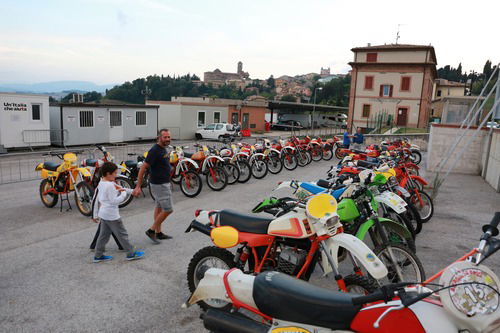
290	329
294	229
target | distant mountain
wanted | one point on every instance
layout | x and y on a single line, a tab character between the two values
54	87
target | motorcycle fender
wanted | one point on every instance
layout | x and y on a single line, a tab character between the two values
189	161
259	155
84	171
275	151
205	162
403	191
419	179
363	230
393	201
244	155
359	250
212	287
288	184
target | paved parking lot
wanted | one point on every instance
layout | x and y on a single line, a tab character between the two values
48	282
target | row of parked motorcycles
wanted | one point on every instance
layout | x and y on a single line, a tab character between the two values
357	225
234	163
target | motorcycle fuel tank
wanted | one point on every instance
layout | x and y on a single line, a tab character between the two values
291	225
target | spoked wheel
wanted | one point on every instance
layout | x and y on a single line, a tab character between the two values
414	217
290	161
423	203
204	259
308	156
317	153
191	183
274	163
48	199
216	178
259	169
233	174
339	153
416	157
403	220
83	197
327	154
402	263
301	158
245	171
362	285
126	183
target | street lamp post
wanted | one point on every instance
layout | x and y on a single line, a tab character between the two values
314	107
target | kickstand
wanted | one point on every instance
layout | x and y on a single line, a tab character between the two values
61	196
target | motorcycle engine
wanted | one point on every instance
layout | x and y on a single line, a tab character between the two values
291	260
61	182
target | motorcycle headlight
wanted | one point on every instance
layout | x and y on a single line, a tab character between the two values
393	181
332	224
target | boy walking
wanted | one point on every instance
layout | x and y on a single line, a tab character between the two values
107	197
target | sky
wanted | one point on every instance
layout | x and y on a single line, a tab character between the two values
112	41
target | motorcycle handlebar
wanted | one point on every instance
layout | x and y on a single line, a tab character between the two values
493	226
378	295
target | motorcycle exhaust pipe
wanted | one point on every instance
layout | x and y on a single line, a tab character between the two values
225	322
203	228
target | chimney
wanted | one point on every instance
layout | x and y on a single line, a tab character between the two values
369	44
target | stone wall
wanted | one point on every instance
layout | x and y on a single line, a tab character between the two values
442	137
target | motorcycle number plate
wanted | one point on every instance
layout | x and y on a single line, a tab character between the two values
266	152
398	204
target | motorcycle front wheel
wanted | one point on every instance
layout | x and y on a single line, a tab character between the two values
290	161
259	169
317	153
48	199
362	285
206	258
83	197
424	205
406	266
191	183
216	178
302	159
274	164
327	154
233	173
338	153
245	171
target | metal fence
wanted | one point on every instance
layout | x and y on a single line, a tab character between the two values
44	137
16	167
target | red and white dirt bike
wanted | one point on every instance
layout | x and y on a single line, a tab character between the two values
465	300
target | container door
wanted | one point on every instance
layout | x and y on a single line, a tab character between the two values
115	126
246	120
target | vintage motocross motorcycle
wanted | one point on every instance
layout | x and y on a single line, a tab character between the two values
184	173
61	179
293	243
233	156
466	299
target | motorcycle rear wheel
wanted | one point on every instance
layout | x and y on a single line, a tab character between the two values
274	163
209	257
302	159
327	154
338	153
50	199
317	153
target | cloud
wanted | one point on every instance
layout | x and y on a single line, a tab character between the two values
122	18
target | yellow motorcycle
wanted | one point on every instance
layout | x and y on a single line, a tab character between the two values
61	179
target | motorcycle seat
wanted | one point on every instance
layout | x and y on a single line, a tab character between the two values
243	222
356	151
188	155
51	166
284	297
366	164
90	162
131	164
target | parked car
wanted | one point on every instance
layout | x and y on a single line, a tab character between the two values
287	125
219	131
492	124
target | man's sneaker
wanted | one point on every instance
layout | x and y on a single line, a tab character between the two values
102	258
136	255
161	235
151	234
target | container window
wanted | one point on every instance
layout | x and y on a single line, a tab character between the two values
86	118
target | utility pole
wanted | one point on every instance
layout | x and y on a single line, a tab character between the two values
314	108
146	92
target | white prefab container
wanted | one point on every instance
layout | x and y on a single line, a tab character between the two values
86	123
24	120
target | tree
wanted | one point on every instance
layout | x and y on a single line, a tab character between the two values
288	98
487	70
271	83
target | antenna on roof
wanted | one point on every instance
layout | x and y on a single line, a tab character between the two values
397	34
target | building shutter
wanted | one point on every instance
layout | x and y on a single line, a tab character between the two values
390	90
381	93
368	82
405	83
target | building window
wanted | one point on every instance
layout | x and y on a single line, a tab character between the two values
253	125
115	118
368	82
201	118
405	83
86	118
366	110
386	90
140	118
36	112
216	117
439	93
371	57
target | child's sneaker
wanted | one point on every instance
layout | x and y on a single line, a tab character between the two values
102	258
136	255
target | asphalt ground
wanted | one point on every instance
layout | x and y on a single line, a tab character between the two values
48	282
